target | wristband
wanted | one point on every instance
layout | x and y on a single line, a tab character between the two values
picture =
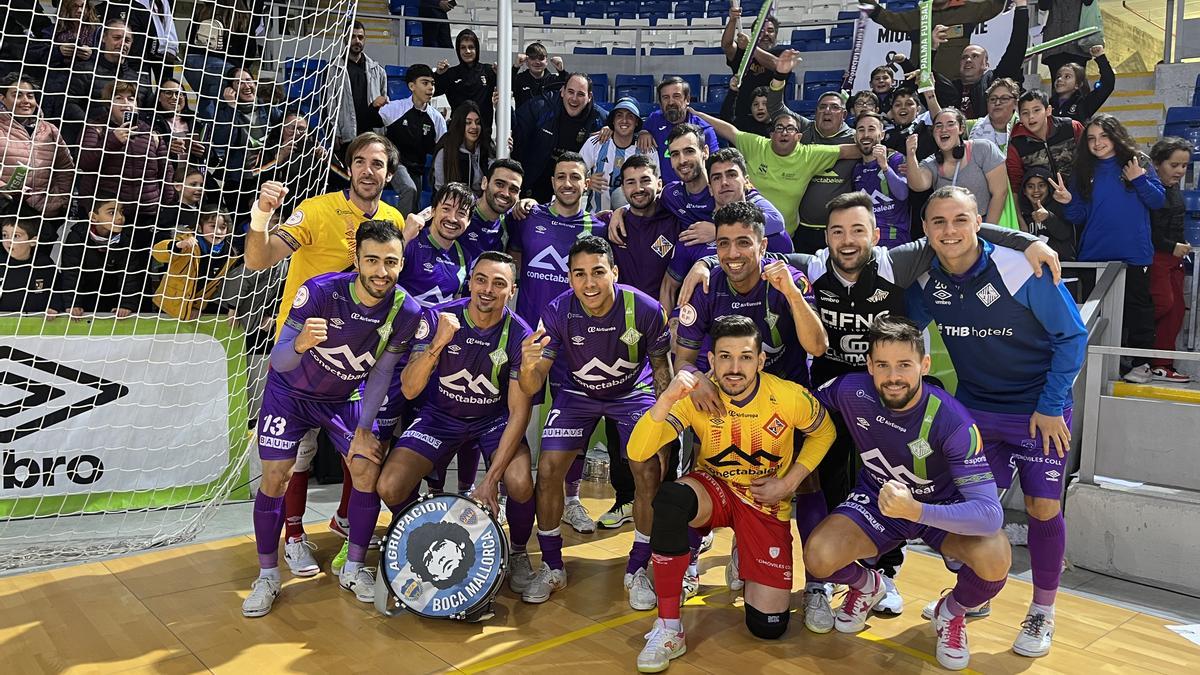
259	219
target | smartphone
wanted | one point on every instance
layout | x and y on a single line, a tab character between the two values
129	117
955	31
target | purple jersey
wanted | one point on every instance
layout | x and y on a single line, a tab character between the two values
891	214
471	379
543	239
649	243
482	235
431	273
933	447
770	311
689	208
332	370
606	357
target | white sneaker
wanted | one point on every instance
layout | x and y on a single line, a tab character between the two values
852	615
707	542
952	650
545	582
1037	632
818	615
1139	375
662	645
299	558
262	595
361	583
892	603
691	586
577	516
641	591
520	572
732	579
977	613
1169	374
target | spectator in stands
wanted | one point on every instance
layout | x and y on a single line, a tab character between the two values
123	156
466	165
86	82
883	79
19	20
182	215
960	17
1001	116
36	169
26	273
536	79
908	120
76	34
674	97
829	128
1062	18
977	165
1044	217
436	34
96	272
155	40
470	80
764	104
762	64
366	80
237	135
1171	157
877	173
296	162
414	127
967	92
1073	96
221	36
605	158
197	263
1041	140
550	124
171	118
1111	196
863	102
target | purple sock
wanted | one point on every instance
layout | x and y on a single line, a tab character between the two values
971	591
468	466
404	503
694	537
810	511
268	525
1047	544
853	575
364	512
551	545
520	522
639	557
574	476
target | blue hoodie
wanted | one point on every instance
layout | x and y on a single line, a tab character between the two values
1116	221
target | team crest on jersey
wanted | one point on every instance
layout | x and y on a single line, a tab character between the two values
687	315
296	218
878	296
775	426
301	297
772	319
773	551
631	337
987	295
920	448
422	329
499	357
662	246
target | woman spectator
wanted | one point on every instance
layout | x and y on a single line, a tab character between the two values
26	273
197	263
977	165
297	160
36	168
219	38
1111	196
1002	113
1073	95
173	119
76	35
1171	157
467	157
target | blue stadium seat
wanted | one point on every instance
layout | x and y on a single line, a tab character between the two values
719	9
690	9
590	50
847	16
809	45
1183	114
839	43
302	76
700	51
599	87
803	107
840	30
397	88
396	7
412	28
666	51
590	10
805	34
654	10
718	86
694	84
416	41
395	71
621	10
639	87
1191	218
817	82
627	51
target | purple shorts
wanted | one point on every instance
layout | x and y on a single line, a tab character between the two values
1007	445
438	436
573	418
862	506
284	419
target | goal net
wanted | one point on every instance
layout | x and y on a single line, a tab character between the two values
132	338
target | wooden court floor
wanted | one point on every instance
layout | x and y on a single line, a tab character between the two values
179	611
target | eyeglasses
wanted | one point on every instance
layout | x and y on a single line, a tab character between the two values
790	129
832	107
172	93
999	100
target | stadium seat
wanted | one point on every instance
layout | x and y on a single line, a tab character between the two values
838	43
718	8
690	10
694	84
621	11
847	16
803	107
666	51
627	51
718	86
590	50
817	82
599	87
587	10
639	87
701	51
842	29
805	34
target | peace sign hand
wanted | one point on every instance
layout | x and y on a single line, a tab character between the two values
1061	194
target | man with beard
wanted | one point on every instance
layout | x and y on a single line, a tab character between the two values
604	158
366	82
339	327
924	476
470	80
746	472
435	264
829	128
762	63
472	400
501	191
878	175
651	231
548	126
674	98
610	344
319	238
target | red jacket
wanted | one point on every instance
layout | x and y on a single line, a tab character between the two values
51	169
138	171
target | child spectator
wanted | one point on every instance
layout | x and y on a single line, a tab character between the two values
461	154
1044	216
1073	95
173	218
197	263
536	79
1171	157
26	273
414	127
863	102
94	270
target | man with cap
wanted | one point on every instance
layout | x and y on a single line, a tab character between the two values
604	159
414	127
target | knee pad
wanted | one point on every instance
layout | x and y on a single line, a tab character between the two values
674	507
766	626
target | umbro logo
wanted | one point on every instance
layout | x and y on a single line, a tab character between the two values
863	423
828	295
942	295
53	392
1053	475
337	322
734	456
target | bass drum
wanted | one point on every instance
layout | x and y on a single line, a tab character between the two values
445	557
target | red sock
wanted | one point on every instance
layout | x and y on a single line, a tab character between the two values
347	483
295	501
668	582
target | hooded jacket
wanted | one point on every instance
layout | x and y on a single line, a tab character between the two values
536	130
469	82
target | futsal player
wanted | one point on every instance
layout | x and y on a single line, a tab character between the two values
747	469
924	476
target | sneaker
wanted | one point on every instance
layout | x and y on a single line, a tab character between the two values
691	586
262	595
545	582
818	615
342	529
577	516
641	591
662	645
1139	375
339	560
361	583
852	615
299	558
977	613
732	578
617	516
1169	374
1037	631
707	542
892	602
952	650
520	572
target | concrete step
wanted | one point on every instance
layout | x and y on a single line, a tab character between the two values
1160	391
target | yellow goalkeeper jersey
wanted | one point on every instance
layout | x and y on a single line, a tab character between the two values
321	233
754	439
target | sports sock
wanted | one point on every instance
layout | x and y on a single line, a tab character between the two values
468	466
639	555
364	512
551	544
668	583
1047	544
520	517
272	574
853	575
268	522
574	478
295	501
694	537
404	503
810	511
343	510
971	591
